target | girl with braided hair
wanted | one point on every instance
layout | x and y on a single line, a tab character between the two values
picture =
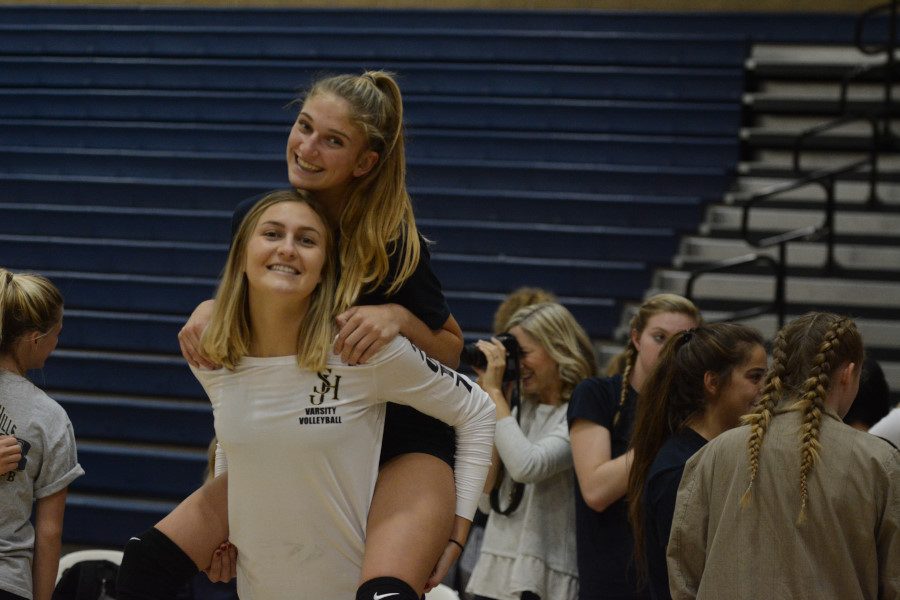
794	504
705	381
600	416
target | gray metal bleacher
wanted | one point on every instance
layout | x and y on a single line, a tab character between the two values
564	150
796	87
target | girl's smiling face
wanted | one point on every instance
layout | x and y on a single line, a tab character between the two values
286	251
326	151
741	392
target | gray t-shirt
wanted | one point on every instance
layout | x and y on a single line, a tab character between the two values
51	465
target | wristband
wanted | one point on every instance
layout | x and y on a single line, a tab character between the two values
461	547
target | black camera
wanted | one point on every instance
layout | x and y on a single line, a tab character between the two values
475	358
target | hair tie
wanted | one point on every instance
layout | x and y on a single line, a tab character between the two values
370	77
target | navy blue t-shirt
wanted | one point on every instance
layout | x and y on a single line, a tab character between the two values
660	492
606	569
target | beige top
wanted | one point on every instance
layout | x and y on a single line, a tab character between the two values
848	548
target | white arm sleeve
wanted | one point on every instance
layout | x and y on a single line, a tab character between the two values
531	462
405	375
221	465
888	427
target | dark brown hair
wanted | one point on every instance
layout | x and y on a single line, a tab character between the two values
673	393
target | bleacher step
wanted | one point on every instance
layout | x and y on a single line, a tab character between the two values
796	124
849	192
420	111
678	211
858	90
703	250
761	138
109	520
815	54
597	313
837	292
821	28
424	43
180	422
815	160
199	259
264	141
857	223
431	172
120	373
700	84
139	470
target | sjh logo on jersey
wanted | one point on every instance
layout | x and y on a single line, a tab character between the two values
327	389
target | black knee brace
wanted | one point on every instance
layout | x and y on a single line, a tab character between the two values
153	568
389	588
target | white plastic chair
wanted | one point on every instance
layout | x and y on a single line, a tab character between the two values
67	560
442	592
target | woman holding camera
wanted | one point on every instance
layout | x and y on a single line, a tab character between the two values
529	543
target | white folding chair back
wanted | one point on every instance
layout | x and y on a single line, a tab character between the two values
67	560
442	592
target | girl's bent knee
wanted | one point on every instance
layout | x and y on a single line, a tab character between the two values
153	568
387	588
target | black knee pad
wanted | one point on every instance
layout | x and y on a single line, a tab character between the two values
153	568
389	588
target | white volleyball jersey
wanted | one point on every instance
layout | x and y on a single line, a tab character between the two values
302	456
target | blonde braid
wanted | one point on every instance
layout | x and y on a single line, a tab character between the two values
759	420
815	389
630	353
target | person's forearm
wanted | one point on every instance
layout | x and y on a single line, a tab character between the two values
607	483
499	400
46	563
442	344
529	461
461	529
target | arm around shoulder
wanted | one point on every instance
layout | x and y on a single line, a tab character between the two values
190	335
444	344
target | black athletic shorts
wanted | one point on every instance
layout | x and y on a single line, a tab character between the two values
406	430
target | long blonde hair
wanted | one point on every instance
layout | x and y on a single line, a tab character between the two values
556	330
378	214
227	338
28	302
655	305
805	354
